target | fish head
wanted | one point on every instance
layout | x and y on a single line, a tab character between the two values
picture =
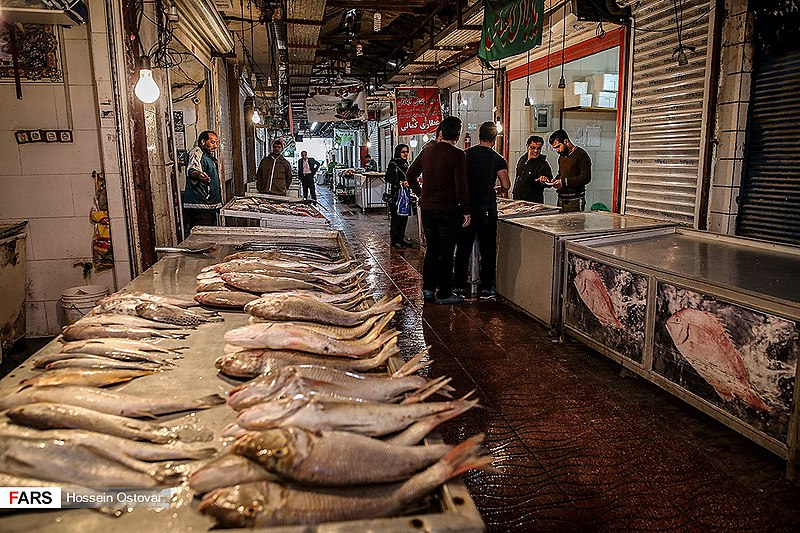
277	449
678	327
271	413
237	506
274	384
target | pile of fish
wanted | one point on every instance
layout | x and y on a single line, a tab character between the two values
263	205
302	269
520	207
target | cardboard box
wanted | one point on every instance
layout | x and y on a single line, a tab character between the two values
577	87
604	99
577	100
603	82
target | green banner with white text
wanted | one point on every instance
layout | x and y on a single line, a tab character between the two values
510	27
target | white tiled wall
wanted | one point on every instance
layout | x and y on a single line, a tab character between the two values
51	184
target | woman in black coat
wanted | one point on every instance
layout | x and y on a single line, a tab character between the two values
396	177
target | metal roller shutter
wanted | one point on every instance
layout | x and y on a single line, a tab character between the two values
667	112
770	199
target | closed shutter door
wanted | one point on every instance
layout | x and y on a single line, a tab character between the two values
666	133
770	200
372	134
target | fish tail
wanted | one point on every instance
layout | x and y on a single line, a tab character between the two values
413	364
437	386
754	401
466	456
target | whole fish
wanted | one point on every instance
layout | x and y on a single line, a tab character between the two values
100	363
106	346
77	332
58	460
284	307
277	336
251	363
594	294
145	357
255	263
114	403
367	418
325	381
260	283
279	256
312	276
347	300
143	451
161	299
230	299
225	471
58	416
367	331
172	314
89	377
213	284
702	340
334	458
123	320
264	504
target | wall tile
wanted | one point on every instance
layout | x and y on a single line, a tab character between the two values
80	156
100	61
84	108
55	316
48	279
76	33
77	65
82	194
106	278
56	238
109	151
721	199
119	239
733	31
36	319
722	223
728	116
36	110
9	157
97	17
114	195
727	173
28	197
731	89
122	270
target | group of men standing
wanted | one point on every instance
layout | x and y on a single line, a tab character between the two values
459	201
202	198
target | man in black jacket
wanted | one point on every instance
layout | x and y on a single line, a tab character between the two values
530	167
307	168
574	173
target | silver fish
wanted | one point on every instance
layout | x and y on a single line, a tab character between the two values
225	471
172	314
84	376
78	332
100	363
282	307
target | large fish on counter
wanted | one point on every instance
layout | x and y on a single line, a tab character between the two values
227	470
264	504
702	340
252	363
90	377
261	283
255	264
291	307
77	332
594	294
367	330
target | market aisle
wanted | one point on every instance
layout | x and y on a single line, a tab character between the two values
581	445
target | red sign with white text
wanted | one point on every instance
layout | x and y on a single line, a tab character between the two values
418	110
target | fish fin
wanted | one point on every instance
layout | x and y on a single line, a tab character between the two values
466	456
428	390
754	401
412	365
211	400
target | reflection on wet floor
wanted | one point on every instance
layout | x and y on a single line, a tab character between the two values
580	443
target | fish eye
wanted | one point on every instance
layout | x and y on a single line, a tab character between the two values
280	452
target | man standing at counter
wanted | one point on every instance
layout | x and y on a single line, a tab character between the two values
274	174
202	198
574	173
444	202
530	168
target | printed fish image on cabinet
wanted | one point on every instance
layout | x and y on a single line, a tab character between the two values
738	359
608	304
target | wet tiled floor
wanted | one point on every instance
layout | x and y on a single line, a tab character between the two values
580	443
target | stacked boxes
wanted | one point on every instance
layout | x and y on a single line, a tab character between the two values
576	94
599	90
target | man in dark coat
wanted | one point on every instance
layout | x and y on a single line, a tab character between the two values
530	167
307	168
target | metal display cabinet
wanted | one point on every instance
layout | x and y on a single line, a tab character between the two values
370	187
270	220
450	510
713	319
530	255
534	209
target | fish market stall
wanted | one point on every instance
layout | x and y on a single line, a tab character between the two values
344	183
530	255
370	187
712	319
193	375
508	208
266	210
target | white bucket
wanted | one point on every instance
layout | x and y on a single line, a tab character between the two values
78	301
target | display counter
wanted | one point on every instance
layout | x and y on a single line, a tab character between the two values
507	208
712	319
369	188
194	376
270	211
530	255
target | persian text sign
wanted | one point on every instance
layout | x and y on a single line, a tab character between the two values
418	110
510	27
334	104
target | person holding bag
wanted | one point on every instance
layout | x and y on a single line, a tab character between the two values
396	178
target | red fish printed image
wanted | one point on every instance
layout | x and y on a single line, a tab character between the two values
594	294
702	340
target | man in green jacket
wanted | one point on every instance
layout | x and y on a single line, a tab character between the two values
202	198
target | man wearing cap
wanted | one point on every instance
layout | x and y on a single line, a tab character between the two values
274	174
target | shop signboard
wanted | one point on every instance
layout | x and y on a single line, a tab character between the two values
418	110
337	103
510	27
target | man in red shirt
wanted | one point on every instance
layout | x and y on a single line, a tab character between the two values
444	202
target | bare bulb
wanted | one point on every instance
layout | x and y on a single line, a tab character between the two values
499	125
146	88
562	83
425	138
256	118
528	101
413	143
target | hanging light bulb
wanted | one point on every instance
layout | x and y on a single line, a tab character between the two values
425	138
376	21
499	125
562	83
528	101
269	82
481	94
413	142
146	88
256	118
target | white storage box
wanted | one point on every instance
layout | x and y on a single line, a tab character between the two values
577	100
603	82
577	87
604	99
